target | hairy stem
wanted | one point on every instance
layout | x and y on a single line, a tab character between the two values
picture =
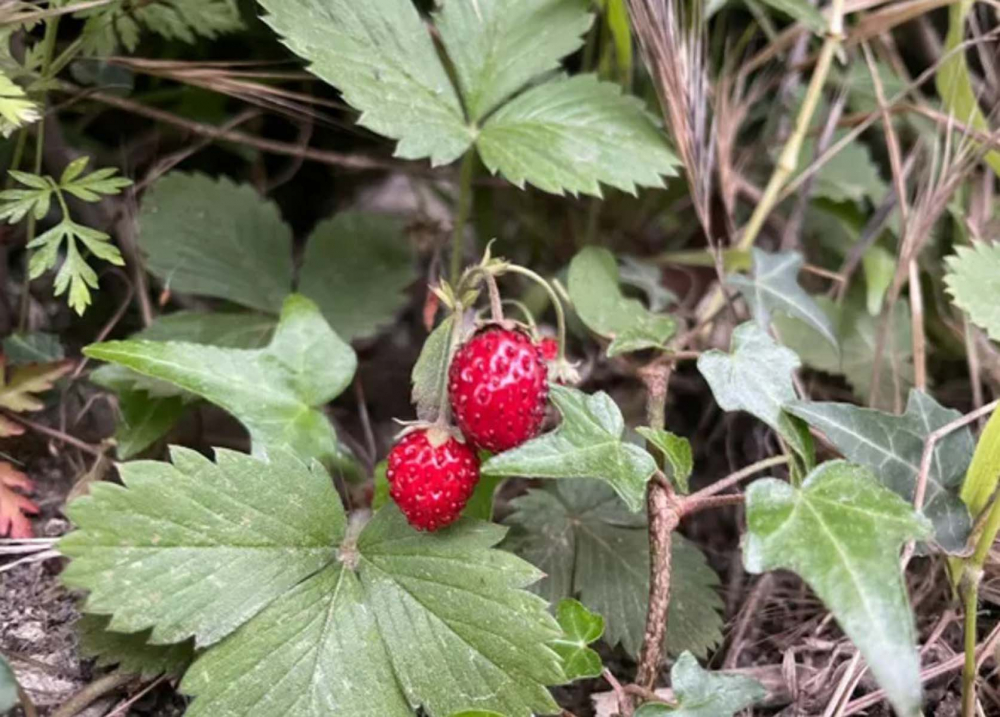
462	214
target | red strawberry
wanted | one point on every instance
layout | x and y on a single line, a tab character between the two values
498	388
550	348
431	476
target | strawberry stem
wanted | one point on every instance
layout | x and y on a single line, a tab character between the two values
556	303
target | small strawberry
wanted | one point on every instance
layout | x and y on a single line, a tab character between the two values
498	388
431	477
550	348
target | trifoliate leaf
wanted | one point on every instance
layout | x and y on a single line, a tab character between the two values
276	392
892	447
973	280
216	238
700	693
16	110
756	377
587	444
677	452
380	55
593	285
842	533
498	46
355	268
430	372
580	535
8	686
774	286
569	135
32	347
580	628
122	21
131	651
143	420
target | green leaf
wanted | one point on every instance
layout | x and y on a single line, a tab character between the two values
16	110
648	277
32	347
276	392
8	686
585	541
775	287
700	693
580	628
569	135
756	377
197	548
477	713
480	504
892	447
381	57
954	81
973	280
131	651
677	452
984	471
185	20
498	46
593	285
850	175
842	533
879	266
216	238
91	187
355	268
802	11
18	203
587	444
430	372
143	420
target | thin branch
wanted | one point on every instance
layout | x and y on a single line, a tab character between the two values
53	433
734	478
94	691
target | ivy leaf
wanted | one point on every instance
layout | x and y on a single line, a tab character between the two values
16	110
677	452
380	55
588	545
580	628
587	444
756	377
8	686
143	420
122	21
973	280
276	392
355	268
498	46
700	693
775	287
842	533
131	651
15	507
892	447
568	135
430	372
216	238
593	285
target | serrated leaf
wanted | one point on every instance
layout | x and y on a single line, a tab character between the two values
122	21
677	452
131	651
593	285
588	545
700	693
143	420
892	447
18	203
92	186
580	628
841	532
587	444
756	377
430	372
381	57
355	268
498	46
32	347
20	386
8	686
774	286
569	135
276	392
973	280
802	11
216	238
16	109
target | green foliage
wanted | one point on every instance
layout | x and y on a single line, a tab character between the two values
8	686
131	651
850	175
973	280
677	453
16	109
801	10
700	693
580	628
32	347
593	286
143	420
879	266
276	392
559	135
588	545
984	471
587	444
756	377
122	22
430	372
774	286
892	446
842	532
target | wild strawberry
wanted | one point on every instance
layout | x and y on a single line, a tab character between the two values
431	477
497	387
550	348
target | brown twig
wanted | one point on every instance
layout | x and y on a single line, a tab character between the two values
53	433
624	704
734	478
94	691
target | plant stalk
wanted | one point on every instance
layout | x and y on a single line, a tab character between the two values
553	297
462	214
973	575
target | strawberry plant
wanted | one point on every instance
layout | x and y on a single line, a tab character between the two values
499	358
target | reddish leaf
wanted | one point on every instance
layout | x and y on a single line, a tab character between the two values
18	388
14	507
